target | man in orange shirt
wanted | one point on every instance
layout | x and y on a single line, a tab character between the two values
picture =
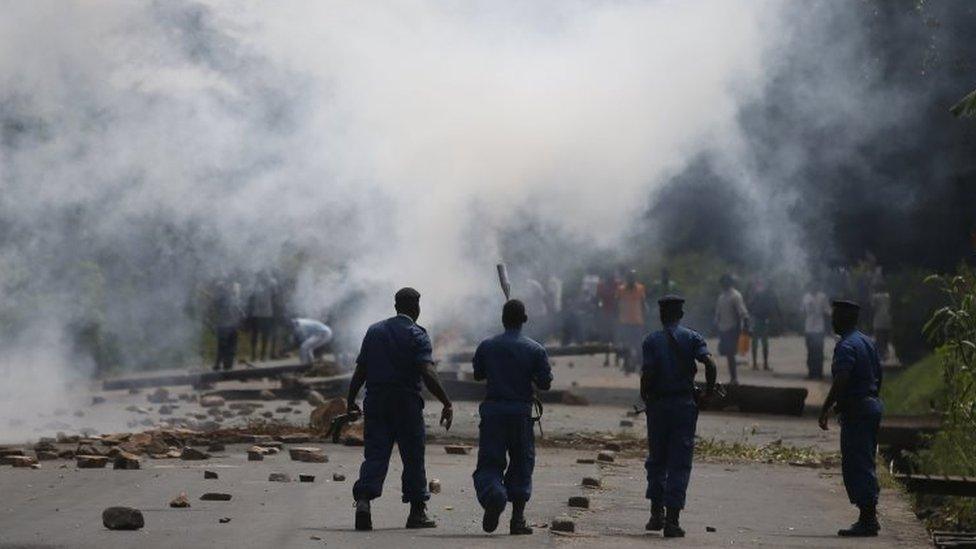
631	306
606	297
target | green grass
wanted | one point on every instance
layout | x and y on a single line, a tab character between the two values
912	391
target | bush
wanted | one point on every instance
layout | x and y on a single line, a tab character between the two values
912	304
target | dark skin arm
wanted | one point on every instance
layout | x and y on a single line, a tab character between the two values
711	374
433	385
355	384
837	388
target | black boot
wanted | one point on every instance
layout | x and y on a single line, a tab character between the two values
364	520
493	511
657	518
671	527
418	516
866	526
518	527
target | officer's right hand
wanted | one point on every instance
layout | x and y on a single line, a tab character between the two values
447	417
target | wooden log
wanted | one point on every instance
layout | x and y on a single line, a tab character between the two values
165	378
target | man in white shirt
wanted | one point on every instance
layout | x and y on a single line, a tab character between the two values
311	335
816	310
731	318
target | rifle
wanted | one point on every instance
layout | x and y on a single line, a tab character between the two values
537	418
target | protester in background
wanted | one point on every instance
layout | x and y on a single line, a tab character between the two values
631	306
816	308
262	316
664	286
731	319
606	295
764	308
227	315
536	299
311	336
881	305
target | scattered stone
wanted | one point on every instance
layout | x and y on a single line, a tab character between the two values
165	410
215	496
295	438
269	444
563	525
134	391
308	454
626	423
338	477
211	401
146	422
127	461
136	409
255	456
91	462
579	502
710	529
180	501
353	434
267	395
613	446
586	461
210	475
279	477
224	520
67	439
98	400
79	413
216	447
457	449
283	410
66	454
606	456
321	417
19	461
192	454
315	398
267	415
434	486
573	399
45	455
4	452
159	396
306	478
591	482
122	518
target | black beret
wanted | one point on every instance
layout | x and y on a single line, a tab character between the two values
846	305
670	300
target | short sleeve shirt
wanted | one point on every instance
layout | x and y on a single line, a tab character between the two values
856	355
630	304
393	351
673	374
511	363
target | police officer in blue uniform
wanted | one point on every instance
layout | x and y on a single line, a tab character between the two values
512	364
668	388
857	377
394	359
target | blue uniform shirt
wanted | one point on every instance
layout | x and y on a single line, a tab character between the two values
511	363
670	377
856	355
393	351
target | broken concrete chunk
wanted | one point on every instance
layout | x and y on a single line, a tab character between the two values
586	461
267	415
91	462
215	496
308	454
97	400
606	456
591	482
338	477
579	502
180	501
353	434
563	525
255	456
295	438
20	461
66	454
321	417
279	477
165	410
283	410
159	396
315	398
212	401
127	461
434	486
267	395
306	478
216	447
457	449
12	452
122	518
613	446
192	454
44	455
626	423
224	520
210	475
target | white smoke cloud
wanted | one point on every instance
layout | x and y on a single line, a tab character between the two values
168	142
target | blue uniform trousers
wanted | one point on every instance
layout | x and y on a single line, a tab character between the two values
671	423
859	423
393	415
500	436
